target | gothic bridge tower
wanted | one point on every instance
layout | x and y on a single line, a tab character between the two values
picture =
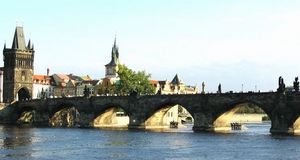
18	69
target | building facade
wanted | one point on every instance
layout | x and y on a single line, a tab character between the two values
176	86
18	69
42	87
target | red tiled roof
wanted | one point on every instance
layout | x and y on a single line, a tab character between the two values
63	77
153	81
42	79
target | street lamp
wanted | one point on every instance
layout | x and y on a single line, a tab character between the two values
242	87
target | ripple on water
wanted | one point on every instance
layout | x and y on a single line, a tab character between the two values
65	143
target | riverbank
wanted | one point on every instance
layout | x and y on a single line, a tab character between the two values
248	118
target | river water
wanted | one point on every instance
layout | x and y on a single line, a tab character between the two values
72	143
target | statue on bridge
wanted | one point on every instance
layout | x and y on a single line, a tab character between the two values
86	91
43	94
281	85
296	84
203	88
219	89
159	92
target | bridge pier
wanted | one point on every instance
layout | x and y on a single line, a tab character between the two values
136	123
280	126
203	122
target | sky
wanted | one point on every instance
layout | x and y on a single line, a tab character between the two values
244	45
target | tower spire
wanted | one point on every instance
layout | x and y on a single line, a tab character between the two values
4	46
29	44
19	39
115	42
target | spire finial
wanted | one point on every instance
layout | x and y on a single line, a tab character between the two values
115	42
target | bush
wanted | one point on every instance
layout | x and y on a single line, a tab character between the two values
265	118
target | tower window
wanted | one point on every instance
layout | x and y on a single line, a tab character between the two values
23	76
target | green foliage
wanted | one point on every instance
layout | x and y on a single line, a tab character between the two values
265	118
133	82
250	108
180	109
106	89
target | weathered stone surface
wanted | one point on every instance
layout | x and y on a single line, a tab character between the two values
206	109
26	117
67	117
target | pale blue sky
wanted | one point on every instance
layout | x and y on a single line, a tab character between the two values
233	42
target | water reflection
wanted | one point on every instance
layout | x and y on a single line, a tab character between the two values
70	143
16	141
12	136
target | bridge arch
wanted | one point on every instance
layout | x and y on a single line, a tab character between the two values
295	127
26	115
163	115
223	117
111	115
57	107
23	94
288	118
64	115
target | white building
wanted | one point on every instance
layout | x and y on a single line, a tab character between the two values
42	85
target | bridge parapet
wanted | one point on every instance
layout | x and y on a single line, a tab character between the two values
283	109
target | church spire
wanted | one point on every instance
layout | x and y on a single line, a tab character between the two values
115	42
29	45
176	80
19	39
115	49
4	46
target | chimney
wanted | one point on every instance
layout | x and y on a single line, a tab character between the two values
48	71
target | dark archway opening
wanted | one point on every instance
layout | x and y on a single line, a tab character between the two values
23	94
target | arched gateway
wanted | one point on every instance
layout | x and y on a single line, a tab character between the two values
23	94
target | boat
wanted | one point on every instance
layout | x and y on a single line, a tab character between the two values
236	126
173	124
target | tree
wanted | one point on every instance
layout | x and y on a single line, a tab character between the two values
106	87
133	82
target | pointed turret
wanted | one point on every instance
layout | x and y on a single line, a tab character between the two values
4	46
176	80
19	39
112	67
114	55
115	42
29	45
115	48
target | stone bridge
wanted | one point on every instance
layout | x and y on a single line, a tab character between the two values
210	111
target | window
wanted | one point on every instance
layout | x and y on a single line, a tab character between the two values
23	76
